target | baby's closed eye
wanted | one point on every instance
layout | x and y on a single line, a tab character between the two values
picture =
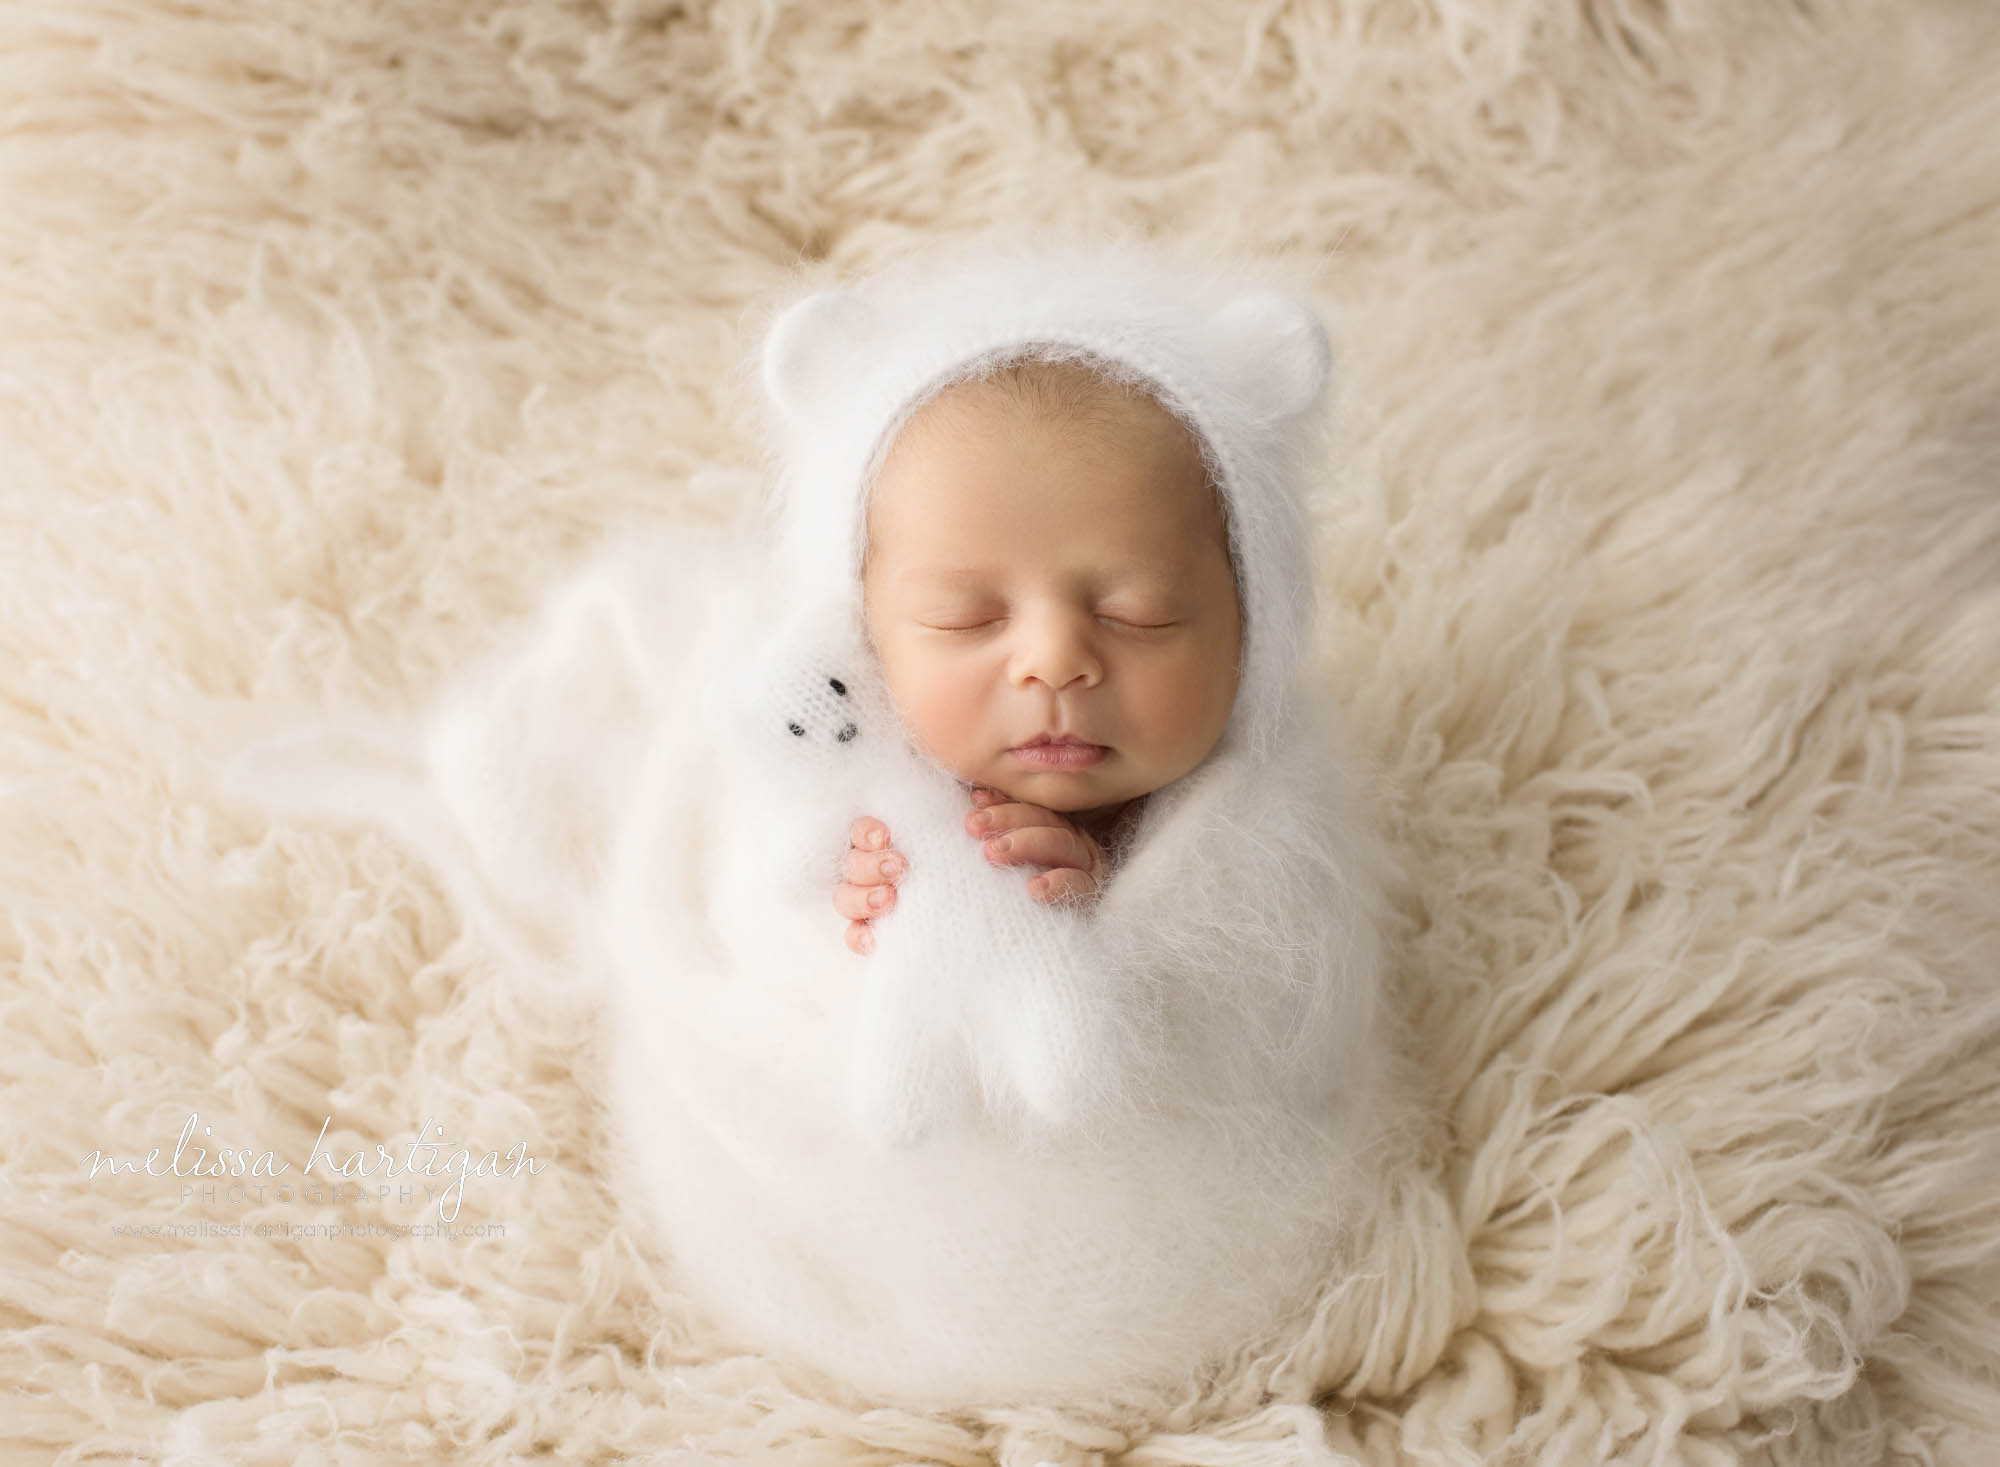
1144	620
976	626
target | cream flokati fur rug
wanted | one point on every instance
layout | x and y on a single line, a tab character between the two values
1664	552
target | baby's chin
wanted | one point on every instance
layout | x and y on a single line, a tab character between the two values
1064	791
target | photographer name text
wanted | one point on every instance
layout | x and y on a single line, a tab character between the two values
190	1159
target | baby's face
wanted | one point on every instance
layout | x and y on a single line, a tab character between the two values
1027	576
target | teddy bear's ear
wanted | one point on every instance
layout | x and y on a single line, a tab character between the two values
1285	343
806	345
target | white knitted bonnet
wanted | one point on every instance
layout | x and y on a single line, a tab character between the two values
1241	361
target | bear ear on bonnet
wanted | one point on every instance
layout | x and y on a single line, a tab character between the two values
807	344
1274	342
1281	345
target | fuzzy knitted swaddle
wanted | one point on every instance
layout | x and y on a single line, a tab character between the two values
1018	1152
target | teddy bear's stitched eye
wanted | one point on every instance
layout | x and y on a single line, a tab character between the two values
797	731
847	733
837	685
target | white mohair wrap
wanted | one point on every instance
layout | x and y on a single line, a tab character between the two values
1018	1153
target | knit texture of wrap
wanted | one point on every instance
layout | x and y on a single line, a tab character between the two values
1017	1153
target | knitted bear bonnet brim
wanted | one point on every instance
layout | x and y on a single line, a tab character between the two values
1239	360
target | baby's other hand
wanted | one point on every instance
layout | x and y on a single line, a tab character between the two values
868	885
1017	834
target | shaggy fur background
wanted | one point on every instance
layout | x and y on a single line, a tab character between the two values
1664	554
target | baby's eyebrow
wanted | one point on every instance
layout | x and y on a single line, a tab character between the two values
949	574
954	575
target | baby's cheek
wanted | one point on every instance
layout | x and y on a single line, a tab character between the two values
938	703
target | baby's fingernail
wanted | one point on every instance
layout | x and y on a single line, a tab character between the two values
873	840
893	866
879	898
1000	844
982	822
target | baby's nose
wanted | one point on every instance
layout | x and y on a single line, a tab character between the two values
1054	652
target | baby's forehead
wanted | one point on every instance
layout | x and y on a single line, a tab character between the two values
1085	413
1089	413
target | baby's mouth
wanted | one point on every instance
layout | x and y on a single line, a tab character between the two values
1067	752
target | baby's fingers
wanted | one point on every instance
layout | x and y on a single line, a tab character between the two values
1064	884
1044	845
860	938
871	868
859	903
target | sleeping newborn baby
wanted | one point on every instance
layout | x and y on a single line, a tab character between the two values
1048	587
1045	574
1050	603
987	926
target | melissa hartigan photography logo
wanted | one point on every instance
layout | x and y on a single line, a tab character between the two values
433	1167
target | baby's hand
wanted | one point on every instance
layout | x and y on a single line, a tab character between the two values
1018	834
869	888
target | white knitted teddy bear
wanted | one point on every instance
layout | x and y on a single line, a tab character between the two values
976	999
